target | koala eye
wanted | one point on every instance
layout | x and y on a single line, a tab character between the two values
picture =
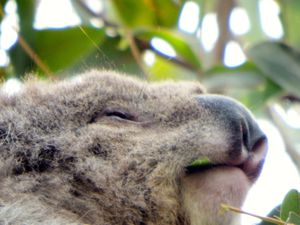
119	114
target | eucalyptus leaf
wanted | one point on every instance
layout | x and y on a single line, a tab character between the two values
290	18
2	5
293	218
21	61
179	42
201	162
291	203
245	83
164	69
245	76
147	13
62	48
280	63
110	57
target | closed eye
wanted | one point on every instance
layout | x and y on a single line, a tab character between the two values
114	114
118	114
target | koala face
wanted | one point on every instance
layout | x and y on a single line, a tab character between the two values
108	149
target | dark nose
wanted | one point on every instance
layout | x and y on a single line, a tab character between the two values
236	119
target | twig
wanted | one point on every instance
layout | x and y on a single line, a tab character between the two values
29	51
268	219
136	52
224	9
143	45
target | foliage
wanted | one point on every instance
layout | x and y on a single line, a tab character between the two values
289	212
130	26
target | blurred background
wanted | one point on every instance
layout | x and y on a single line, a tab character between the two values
248	50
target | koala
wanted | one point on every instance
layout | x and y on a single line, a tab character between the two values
108	149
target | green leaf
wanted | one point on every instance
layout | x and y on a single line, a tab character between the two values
179	42
243	77
201	162
172	7
291	203
146	13
164	69
3	2
293	218
57	48
245	83
291	21
2	5
62	48
110	57
280	63
22	63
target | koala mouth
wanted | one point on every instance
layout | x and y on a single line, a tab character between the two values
251	164
198	167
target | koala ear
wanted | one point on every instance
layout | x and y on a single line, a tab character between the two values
193	88
199	89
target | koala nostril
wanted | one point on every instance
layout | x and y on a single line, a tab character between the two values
255	142
252	135
253	164
245	135
259	143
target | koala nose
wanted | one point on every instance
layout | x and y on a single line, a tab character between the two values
238	122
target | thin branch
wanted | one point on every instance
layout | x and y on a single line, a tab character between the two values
267	219
29	51
292	98
136	52
143	45
224	9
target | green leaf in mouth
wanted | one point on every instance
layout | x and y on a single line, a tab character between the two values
201	162
199	165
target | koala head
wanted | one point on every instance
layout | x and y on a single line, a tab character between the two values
108	149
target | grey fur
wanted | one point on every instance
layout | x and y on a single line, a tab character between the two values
66	157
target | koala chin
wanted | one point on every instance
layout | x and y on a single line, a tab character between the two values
108	149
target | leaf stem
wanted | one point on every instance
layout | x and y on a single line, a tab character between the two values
268	219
